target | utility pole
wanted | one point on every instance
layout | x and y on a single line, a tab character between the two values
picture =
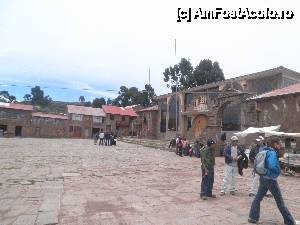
176	98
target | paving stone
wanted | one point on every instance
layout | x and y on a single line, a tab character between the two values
78	183
25	220
47	218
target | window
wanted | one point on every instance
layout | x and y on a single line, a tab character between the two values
112	117
189	124
97	119
123	118
103	119
202	100
71	129
77	117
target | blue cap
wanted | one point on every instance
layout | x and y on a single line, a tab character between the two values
210	142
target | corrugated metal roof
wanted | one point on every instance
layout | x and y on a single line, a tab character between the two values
16	106
292	89
115	110
89	111
151	108
48	115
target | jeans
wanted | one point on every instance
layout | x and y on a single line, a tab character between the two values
255	183
101	141
272	185
231	173
207	183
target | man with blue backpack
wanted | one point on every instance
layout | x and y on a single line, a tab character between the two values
267	166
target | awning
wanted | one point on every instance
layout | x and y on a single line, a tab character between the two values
255	130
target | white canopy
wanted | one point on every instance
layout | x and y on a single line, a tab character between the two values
254	130
281	134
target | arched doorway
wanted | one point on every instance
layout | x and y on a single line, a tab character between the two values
200	123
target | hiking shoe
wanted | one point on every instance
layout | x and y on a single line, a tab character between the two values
232	192
204	198
222	193
251	195
252	220
212	196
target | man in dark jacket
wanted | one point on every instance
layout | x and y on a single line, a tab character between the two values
269	182
207	168
232	153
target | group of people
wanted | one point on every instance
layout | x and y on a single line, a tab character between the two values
235	161
105	138
183	147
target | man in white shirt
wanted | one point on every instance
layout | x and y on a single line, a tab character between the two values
101	137
232	153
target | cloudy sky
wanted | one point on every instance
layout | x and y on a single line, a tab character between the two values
100	45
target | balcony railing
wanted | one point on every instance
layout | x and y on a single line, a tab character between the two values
198	108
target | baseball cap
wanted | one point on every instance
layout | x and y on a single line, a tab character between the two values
210	142
234	138
261	138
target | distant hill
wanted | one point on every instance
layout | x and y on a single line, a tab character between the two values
56	107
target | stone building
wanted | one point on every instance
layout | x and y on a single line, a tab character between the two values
279	107
149	123
84	122
218	108
15	119
45	125
121	121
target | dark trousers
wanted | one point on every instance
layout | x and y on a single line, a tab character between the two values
180	151
272	185
101	142
107	142
207	183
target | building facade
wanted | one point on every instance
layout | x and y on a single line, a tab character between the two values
15	119
218	109
84	122
121	121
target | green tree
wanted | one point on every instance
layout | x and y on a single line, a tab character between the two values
98	102
148	95
109	101
181	73
81	99
37	97
6	97
207	72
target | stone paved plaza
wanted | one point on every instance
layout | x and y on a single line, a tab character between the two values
63	181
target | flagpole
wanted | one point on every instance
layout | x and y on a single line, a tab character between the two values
176	97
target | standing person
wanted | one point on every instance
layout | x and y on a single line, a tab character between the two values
184	145
107	138
207	169
232	153
101	136
177	142
269	182
258	147
96	136
111	138
180	145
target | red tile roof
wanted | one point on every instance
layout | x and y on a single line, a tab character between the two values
115	110
89	111
16	106
47	115
292	89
